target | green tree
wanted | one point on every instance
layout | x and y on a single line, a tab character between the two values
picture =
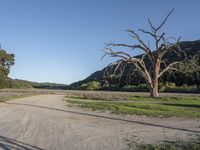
190	67
6	61
93	85
189	71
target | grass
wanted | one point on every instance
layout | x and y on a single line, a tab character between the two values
5	96
121	103
95	95
167	106
178	145
9	94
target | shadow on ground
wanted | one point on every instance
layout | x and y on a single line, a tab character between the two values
182	105
106	117
11	144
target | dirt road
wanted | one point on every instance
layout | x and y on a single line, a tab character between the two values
45	122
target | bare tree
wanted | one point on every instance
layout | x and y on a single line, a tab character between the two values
153	63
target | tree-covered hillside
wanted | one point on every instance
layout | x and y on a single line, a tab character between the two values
16	83
188	72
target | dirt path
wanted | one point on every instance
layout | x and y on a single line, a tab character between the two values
45	122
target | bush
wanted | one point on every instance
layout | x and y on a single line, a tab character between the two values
134	88
171	87
93	85
166	87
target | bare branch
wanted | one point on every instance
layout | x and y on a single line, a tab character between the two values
126	45
123	55
151	25
169	67
165	19
171	37
147	32
161	37
137	37
146	48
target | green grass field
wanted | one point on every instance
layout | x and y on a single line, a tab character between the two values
166	106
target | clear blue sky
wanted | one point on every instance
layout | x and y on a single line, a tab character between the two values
61	40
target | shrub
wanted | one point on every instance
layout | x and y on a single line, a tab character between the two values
111	87
171	87
134	88
93	85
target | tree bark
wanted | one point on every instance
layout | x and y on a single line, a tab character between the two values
154	86
154	92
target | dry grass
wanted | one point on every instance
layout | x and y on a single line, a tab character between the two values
8	94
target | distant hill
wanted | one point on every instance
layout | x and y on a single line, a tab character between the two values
16	83
45	85
191	48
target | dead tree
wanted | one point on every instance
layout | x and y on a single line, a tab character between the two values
153	63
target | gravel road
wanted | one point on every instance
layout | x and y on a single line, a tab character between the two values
46	122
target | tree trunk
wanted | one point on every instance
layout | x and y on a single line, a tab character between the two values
153	88
154	92
154	85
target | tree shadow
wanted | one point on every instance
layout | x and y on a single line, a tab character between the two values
182	105
11	144
106	117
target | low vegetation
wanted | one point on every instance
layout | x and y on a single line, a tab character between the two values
9	94
166	106
177	145
163	87
6	95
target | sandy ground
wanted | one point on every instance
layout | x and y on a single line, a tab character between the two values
45	122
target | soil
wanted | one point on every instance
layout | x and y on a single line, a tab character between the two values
46	122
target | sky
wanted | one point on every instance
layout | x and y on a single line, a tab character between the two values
62	40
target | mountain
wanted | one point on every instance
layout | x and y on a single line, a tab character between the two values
191	48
